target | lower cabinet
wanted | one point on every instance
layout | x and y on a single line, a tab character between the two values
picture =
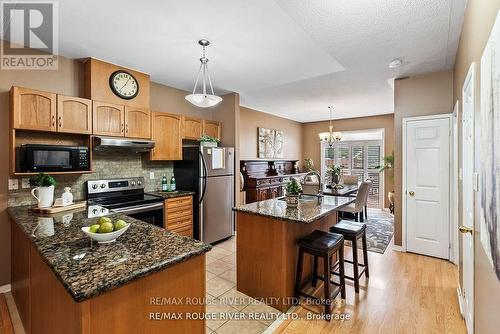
179	215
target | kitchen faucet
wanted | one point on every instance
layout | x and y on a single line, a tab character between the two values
312	188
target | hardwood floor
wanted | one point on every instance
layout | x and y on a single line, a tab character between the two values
406	293
5	321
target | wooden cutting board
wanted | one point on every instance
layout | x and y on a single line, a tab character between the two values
56	209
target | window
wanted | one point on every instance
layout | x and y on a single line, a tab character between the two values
357	158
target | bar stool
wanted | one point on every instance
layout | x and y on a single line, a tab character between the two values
352	231
325	245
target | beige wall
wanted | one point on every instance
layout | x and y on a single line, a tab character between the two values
479	19
422	95
311	143
251	119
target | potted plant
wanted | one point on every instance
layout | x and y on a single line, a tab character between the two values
209	141
335	173
309	164
388	169
292	193
44	187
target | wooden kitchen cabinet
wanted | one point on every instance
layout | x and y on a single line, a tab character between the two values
212	128
33	109
137	123
166	132
192	128
108	119
179	215
74	115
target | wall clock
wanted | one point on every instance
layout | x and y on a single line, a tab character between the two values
124	84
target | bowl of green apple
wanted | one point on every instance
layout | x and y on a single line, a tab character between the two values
105	230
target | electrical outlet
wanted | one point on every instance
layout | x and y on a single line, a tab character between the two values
13	184
151	175
25	183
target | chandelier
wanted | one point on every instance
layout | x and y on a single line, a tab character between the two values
203	100
330	137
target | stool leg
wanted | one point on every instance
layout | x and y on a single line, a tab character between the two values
365	255
328	302
342	272
298	278
366	211
355	264
361	217
356	217
314	280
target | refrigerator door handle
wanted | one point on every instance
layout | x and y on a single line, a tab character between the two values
204	177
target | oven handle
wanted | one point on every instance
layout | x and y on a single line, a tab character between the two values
139	209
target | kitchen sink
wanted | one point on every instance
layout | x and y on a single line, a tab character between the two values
305	198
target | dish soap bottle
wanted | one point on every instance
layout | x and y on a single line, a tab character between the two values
164	183
67	197
172	183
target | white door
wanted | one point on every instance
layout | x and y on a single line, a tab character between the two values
427	189
468	199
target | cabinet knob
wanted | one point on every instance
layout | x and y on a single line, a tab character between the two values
60	121
126	126
53	120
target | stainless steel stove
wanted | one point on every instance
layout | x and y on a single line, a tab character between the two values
125	196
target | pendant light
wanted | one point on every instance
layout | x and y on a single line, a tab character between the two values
330	137
203	100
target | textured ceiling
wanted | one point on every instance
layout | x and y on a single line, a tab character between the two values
291	58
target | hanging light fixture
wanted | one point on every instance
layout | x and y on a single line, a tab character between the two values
330	137
203	100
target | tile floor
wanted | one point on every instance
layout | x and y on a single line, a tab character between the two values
225	301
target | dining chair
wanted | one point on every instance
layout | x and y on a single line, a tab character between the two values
350	179
359	204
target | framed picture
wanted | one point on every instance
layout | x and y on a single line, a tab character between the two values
270	143
490	152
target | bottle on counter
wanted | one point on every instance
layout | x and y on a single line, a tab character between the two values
173	187
164	183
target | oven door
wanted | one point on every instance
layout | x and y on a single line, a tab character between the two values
149	213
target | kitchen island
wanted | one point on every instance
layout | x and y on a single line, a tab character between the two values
63	282
267	244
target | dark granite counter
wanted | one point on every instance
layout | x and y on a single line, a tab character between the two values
308	210
87	269
172	194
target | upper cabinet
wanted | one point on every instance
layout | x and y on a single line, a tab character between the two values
166	131
109	119
74	115
212	129
137	123
192	128
33	109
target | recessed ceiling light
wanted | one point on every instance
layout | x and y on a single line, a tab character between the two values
395	63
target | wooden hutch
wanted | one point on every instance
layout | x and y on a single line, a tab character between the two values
265	179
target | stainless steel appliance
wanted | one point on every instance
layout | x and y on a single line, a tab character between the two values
209	172
54	158
114	143
124	196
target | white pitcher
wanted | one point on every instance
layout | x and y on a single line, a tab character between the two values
45	196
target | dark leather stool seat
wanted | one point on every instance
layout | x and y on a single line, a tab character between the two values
352	231
321	244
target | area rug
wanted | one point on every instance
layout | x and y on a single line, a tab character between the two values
379	230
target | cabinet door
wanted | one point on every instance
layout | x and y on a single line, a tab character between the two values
74	115
166	132
137	123
108	119
33	110
212	128
263	194
192	128
274	192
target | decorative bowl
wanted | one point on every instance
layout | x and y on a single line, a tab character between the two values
104	238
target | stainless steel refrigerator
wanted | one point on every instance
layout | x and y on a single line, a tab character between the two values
209	172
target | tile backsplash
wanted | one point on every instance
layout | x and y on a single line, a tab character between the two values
107	165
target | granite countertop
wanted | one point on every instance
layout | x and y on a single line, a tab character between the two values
87	269
307	211
172	194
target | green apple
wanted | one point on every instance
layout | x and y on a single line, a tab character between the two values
106	227
94	228
119	224
103	220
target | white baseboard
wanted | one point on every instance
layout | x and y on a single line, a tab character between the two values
5	288
395	247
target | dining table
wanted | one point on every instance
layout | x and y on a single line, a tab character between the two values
346	190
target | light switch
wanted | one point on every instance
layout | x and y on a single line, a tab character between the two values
13	184
25	183
151	175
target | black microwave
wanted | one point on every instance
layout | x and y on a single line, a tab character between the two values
54	158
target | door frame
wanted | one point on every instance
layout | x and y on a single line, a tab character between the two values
406	120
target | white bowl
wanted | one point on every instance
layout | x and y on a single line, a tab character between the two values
104	238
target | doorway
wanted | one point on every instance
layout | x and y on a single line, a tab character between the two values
426	185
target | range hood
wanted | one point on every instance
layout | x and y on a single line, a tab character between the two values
113	143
